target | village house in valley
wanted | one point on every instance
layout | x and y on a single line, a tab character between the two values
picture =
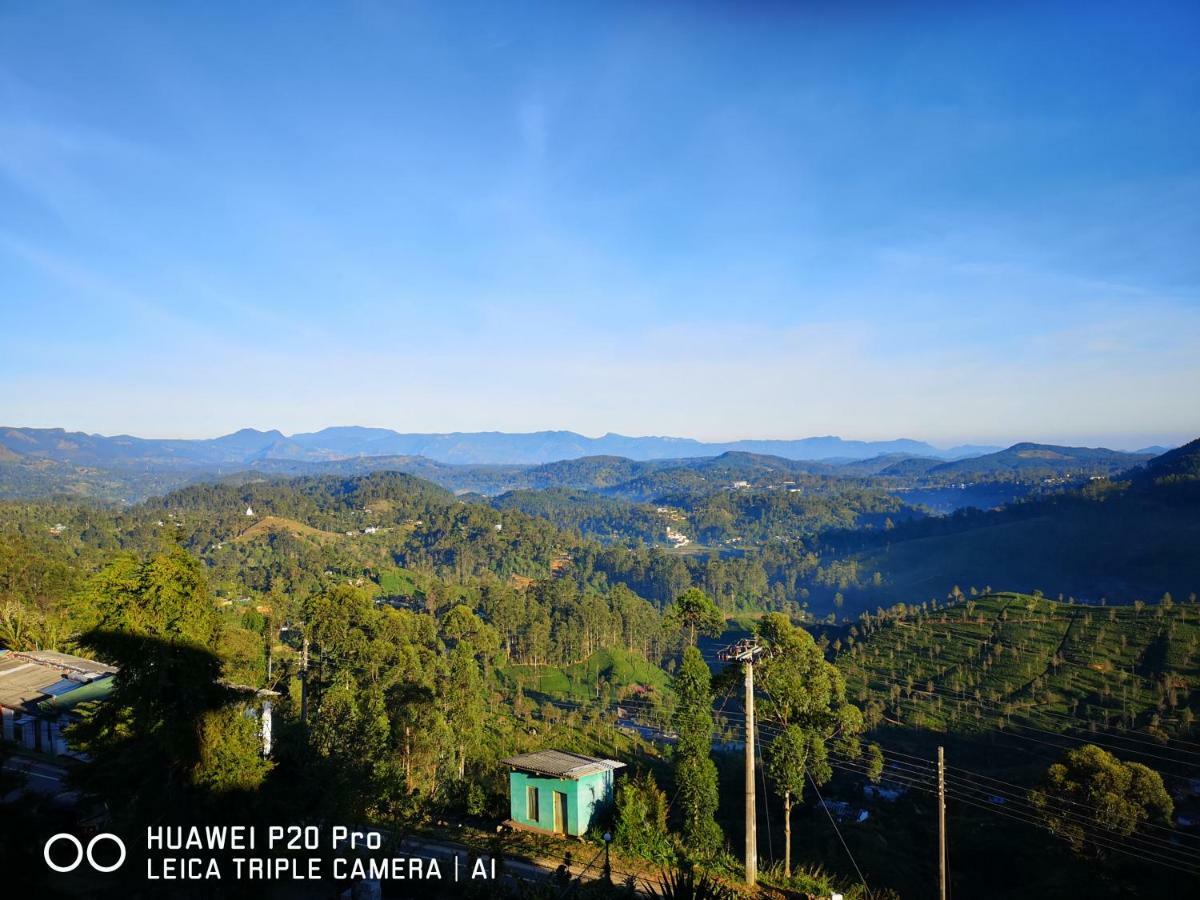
557	792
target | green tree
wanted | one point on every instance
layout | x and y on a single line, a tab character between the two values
465	702
230	752
1115	798
695	772
787	762
171	735
806	696
641	819
696	613
461	625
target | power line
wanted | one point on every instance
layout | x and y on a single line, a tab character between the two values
921	770
1153	854
1091	739
917	774
1057	658
838	832
914	774
1015	791
1146	855
909	776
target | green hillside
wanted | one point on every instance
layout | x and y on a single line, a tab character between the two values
615	668
1114	540
1180	464
1005	660
1027	460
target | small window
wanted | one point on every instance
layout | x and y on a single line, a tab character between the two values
531	803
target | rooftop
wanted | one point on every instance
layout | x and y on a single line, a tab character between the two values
28	678
559	764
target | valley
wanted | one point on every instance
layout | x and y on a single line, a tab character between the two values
435	622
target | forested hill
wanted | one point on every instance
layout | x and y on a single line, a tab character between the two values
1179	465
1027	460
89	467
756	531
1121	539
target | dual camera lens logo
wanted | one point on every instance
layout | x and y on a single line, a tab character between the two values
81	852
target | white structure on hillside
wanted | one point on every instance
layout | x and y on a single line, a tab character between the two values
677	538
249	510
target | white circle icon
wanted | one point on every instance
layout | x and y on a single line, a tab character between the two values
80	853
116	840
63	836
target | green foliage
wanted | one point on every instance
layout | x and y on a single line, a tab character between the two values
1092	794
163	596
695	773
409	708
787	761
398	582
230	757
816	881
1120	539
615	670
801	688
641	819
684	882
594	515
806	696
695	613
166	740
461	626
1005	658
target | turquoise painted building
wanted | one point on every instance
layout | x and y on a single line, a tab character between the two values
558	793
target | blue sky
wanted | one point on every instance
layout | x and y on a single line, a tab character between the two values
710	219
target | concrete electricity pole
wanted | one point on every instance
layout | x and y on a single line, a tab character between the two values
744	652
941	824
304	679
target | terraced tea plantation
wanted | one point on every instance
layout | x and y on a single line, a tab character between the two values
1011	660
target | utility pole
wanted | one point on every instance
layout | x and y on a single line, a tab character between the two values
270	630
304	681
941	824
744	652
751	823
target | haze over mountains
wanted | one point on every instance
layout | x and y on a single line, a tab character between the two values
472	448
48	462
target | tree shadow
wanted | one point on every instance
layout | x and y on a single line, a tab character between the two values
169	748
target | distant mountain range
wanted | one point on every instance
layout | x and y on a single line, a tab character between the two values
1024	458
468	448
50	462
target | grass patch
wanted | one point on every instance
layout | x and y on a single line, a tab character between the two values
269	525
617	668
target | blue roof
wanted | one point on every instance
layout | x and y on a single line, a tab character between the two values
61	687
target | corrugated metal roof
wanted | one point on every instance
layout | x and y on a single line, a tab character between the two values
560	764
60	687
98	689
26	678
67	661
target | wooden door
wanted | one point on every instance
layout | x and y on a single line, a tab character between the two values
560	812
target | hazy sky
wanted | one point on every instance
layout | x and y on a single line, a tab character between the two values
708	219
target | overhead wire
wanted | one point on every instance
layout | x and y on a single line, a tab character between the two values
916	776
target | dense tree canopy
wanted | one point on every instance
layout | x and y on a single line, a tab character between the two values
1091	797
